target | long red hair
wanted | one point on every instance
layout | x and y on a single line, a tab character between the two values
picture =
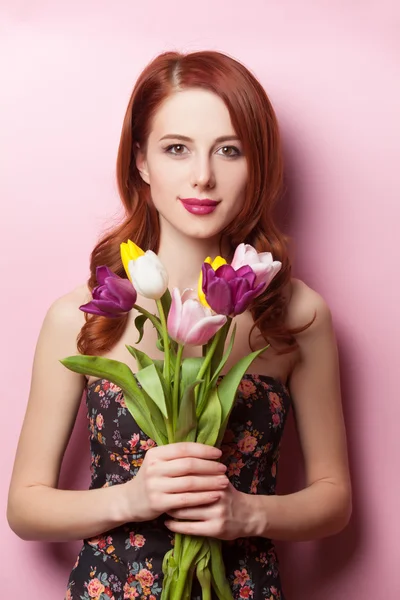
255	123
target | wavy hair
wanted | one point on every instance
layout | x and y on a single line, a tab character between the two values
254	121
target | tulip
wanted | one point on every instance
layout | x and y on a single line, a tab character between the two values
217	262
262	263
113	297
191	323
129	251
148	275
229	291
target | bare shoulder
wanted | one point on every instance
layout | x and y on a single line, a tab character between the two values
65	310
306	305
58	336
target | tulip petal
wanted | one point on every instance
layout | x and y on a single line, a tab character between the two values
219	296
239	287
192	312
125	257
175	314
208	274
218	262
265	258
93	308
123	290
238	256
243	271
226	272
188	293
102	272
244	302
134	250
148	275
102	293
203	331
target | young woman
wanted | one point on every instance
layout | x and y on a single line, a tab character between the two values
199	171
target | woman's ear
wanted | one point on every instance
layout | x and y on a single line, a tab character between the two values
141	164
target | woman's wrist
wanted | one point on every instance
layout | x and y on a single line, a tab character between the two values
122	506
253	515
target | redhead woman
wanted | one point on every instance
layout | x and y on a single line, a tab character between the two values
199	171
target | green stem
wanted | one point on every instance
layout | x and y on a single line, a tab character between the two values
180	585
209	354
170	431
150	316
206	366
178	548
165	337
175	398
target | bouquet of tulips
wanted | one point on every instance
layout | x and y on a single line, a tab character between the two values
177	398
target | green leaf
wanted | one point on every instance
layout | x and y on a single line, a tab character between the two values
141	357
143	360
227	388
224	358
219	351
120	374
156	417
187	422
150	380
203	574
209	422
219	581
189	370
98	366
166	302
139	324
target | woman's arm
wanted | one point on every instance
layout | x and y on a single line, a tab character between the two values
170	476
323	507
36	509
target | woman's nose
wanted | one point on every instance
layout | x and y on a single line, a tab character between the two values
203	173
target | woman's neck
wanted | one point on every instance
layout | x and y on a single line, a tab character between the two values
183	256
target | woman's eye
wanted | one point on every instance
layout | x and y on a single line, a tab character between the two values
176	149
230	151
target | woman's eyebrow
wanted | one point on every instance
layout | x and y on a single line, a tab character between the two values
184	138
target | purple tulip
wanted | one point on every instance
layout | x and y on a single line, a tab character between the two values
113	297
191	323
229	291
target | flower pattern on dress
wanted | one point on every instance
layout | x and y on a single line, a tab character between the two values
126	562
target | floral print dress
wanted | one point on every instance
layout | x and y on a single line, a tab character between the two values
126	562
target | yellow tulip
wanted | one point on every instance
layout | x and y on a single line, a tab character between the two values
129	251
216	263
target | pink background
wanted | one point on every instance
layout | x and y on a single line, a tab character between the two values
332	72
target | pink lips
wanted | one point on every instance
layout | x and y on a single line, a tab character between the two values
196	206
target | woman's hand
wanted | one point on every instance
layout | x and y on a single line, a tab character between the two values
175	476
230	517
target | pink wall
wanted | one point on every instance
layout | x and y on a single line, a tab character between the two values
332	71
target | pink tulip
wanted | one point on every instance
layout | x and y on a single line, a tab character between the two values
262	264
191	323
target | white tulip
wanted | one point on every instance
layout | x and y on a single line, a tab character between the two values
149	276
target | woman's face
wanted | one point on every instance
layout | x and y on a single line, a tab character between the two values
194	164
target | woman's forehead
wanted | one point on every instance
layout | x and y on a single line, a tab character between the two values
194	113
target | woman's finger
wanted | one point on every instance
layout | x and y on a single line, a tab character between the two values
203	528
184	449
177	501
189	466
192	483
